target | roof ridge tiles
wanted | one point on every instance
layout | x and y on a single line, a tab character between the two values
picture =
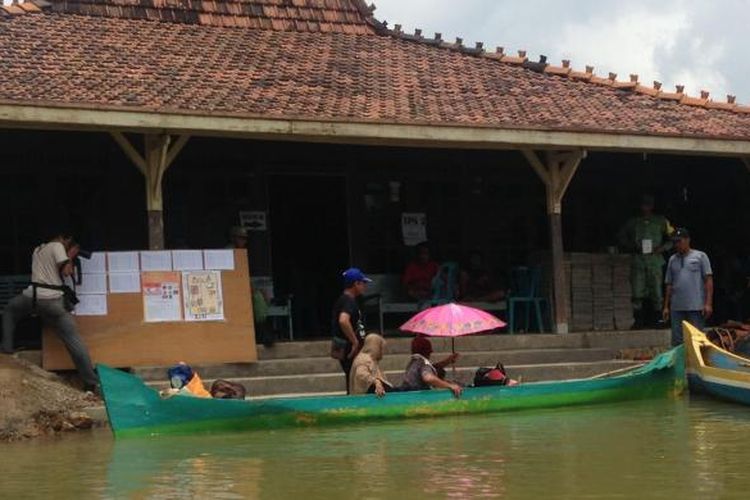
566	71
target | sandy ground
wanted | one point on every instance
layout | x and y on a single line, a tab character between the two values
34	402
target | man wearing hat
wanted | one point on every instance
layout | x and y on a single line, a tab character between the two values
347	327
690	286
646	237
238	237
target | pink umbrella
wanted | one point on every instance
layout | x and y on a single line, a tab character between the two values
451	320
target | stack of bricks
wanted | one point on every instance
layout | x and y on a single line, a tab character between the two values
602	291
581	292
622	292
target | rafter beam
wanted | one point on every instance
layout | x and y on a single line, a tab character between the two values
130	151
537	165
176	149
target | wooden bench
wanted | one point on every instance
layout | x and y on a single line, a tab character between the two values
386	288
10	286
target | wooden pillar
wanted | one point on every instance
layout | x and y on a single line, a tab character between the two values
153	164
556	172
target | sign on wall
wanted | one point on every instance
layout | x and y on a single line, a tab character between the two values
414	228
253	220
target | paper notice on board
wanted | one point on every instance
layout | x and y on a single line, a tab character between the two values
202	296
187	260
647	247
123	262
162	296
91	305
414	228
124	283
96	264
219	259
156	260
92	284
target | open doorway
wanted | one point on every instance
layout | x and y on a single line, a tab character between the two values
309	245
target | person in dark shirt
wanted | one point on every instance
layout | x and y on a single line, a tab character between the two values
347	327
419	273
421	374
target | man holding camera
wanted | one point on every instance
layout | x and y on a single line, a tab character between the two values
51	262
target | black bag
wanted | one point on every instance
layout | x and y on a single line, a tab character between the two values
224	389
491	376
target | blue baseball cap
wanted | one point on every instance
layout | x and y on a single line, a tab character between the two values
352	275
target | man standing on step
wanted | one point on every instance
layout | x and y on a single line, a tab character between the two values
646	237
346	321
51	262
690	287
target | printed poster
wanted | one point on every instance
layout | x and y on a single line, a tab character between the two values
414	228
202	296
253	220
162	296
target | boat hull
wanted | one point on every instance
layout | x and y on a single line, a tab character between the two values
137	410
714	371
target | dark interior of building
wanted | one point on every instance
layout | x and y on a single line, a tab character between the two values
330	206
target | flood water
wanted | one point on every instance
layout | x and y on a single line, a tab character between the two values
675	449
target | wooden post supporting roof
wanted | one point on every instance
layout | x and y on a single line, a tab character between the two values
153	164
556	172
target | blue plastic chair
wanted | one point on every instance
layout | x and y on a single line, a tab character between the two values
525	284
445	284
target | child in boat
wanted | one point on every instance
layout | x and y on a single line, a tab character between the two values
421	374
366	375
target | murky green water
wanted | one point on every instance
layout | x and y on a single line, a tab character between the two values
655	449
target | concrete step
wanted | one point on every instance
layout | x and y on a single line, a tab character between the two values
302	366
493	342
334	382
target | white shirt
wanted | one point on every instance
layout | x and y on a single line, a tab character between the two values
45	269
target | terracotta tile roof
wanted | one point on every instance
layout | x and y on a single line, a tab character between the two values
383	76
339	16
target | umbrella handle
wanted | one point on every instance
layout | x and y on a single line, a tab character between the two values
453	350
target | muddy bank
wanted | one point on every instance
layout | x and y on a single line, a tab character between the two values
34	402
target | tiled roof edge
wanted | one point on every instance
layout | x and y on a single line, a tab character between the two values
19	8
565	71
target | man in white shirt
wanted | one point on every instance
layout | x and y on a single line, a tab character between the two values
50	263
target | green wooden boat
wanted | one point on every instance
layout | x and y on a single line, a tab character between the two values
135	409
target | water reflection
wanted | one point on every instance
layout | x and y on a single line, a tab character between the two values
662	449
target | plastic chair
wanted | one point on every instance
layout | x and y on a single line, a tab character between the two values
445	284
525	283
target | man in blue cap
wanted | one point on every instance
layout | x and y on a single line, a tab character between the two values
346	321
690	286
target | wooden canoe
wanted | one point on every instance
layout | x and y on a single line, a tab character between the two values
714	371
135	409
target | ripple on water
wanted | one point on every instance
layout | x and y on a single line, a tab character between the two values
650	449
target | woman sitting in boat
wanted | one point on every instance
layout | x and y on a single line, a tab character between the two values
366	375
421	374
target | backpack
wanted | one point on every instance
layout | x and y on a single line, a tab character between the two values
224	389
491	376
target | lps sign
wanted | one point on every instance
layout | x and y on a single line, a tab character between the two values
414	228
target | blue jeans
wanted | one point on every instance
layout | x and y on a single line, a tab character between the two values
695	318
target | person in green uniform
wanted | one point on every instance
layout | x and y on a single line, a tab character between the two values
646	237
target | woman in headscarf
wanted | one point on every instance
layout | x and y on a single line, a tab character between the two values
366	375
